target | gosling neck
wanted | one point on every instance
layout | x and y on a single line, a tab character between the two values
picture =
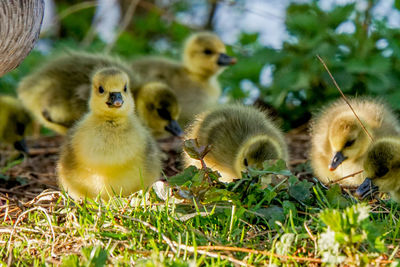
198	74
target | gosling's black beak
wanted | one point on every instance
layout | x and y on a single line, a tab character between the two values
225	60
366	188
21	146
115	100
337	159
174	128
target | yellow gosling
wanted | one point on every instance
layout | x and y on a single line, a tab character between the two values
382	168
194	80
109	150
239	136
57	93
157	106
338	142
15	122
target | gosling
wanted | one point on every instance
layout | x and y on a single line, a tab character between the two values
109	150
57	94
15	122
339	143
239	136
194	80
381	167
158	107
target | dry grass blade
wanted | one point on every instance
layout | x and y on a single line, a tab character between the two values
344	97
345	177
265	253
21	217
211	254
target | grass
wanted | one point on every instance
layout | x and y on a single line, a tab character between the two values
292	222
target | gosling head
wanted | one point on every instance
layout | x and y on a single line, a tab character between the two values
347	140
111	95
157	104
21	123
255	151
381	167
205	54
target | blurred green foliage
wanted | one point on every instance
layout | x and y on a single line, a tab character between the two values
364	60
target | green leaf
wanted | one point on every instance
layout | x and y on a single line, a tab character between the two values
397	4
275	167
375	233
272	214
248	38
215	195
183	177
289	207
340	14
190	147
301	191
332	218
269	195
194	150
70	261
335	197
198	178
96	256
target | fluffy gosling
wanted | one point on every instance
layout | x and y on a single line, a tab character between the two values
109	150
239	136
14	122
381	167
338	142
194	80
57	93
157	106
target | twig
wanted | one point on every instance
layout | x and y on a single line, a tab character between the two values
344	97
39	151
345	177
210	18
297	161
76	8
124	24
17	192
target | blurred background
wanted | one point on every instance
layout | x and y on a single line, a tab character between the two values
275	41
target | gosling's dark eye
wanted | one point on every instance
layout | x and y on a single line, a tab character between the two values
125	88
349	143
101	89
245	163
207	51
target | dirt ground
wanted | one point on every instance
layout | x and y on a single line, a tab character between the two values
37	172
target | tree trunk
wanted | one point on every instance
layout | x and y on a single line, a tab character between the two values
20	22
